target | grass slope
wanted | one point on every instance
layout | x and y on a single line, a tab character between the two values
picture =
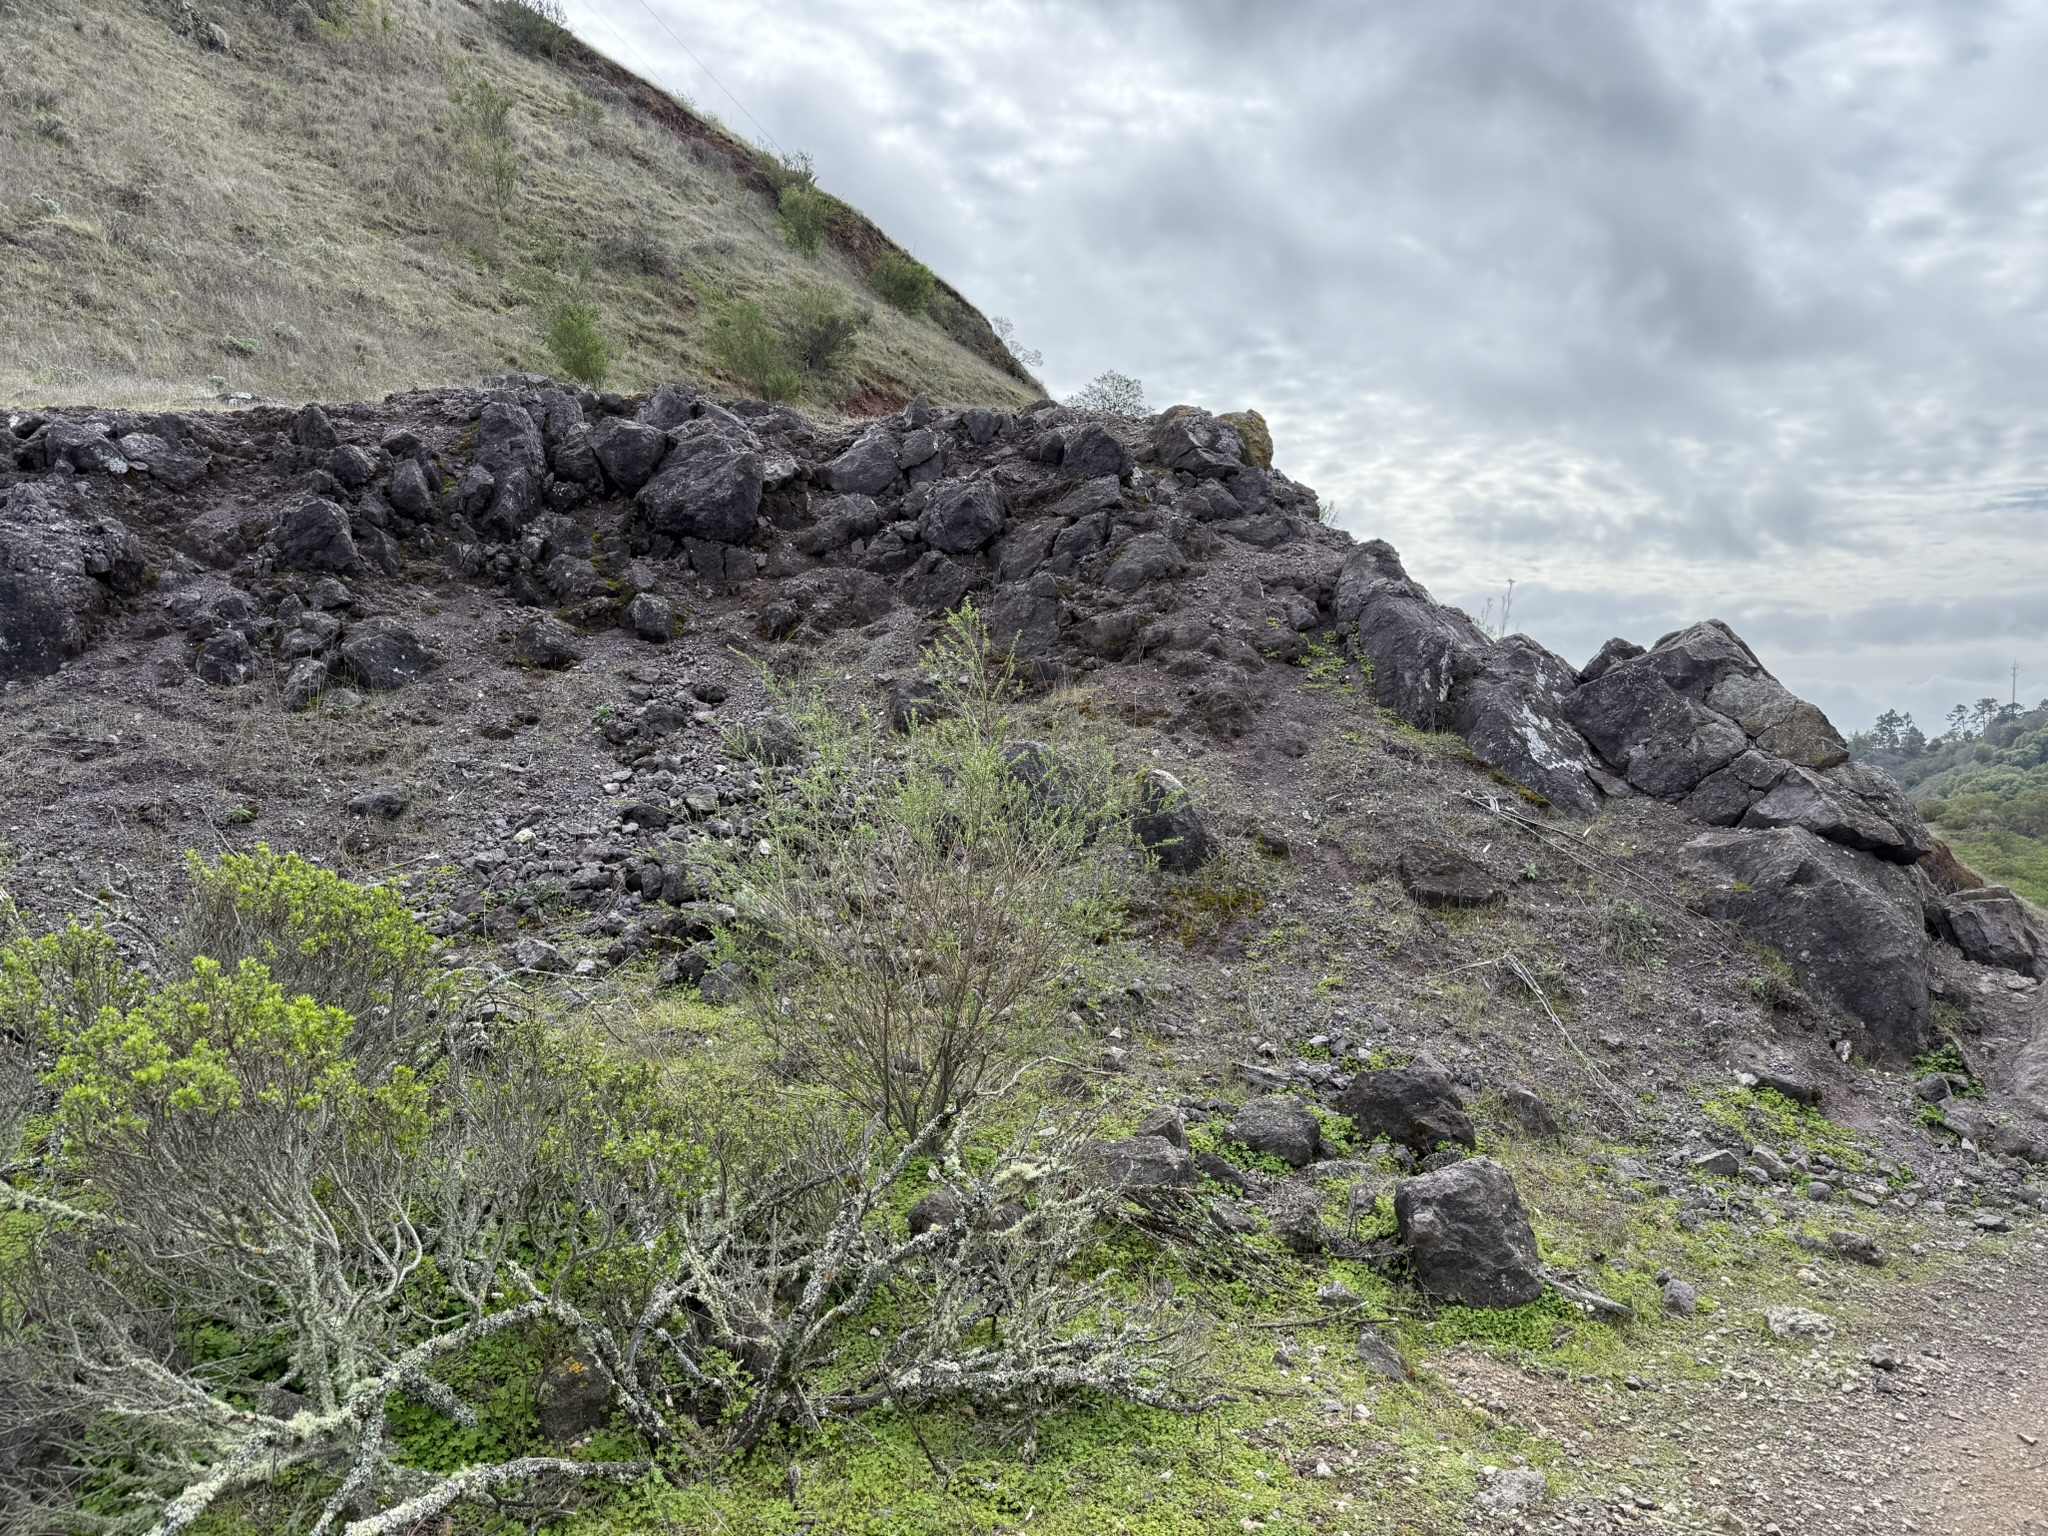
309	214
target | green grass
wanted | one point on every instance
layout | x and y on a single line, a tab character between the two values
2005	858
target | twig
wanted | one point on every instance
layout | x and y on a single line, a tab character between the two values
1522	974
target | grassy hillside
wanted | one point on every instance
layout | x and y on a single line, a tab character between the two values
360	196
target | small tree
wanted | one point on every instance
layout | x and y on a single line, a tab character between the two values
743	344
822	328
806	215
914	903
482	121
903	282
577	345
1111	393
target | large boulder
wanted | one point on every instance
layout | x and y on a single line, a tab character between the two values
1852	925
507	440
868	467
962	515
1420	652
627	451
313	535
1662	742
709	488
1416	1106
1468	1235
382	654
1279	1125
1196	443
1512	715
1992	926
1852	804
1168	825
61	567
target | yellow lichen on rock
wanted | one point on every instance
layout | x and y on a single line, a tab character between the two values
1258	438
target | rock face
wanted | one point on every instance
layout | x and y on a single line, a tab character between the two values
1414	1106
1850	923
1468	1235
61	569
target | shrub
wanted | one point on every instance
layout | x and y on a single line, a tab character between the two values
537	28
741	342
903	282
822	328
577	345
806	214
1112	394
482	120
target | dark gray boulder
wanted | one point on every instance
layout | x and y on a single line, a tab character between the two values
1662	742
312	431
868	467
1024	618
382	654
306	682
1850	924
1526	1108
1468	1235
314	535
1419	651
61	569
1147	1162
962	515
1024	549
651	618
1090	451
1994	927
1278	1125
936	584
387	802
546	642
178	461
1147	558
627	451
1196	443
1416	1107
1438	876
841	520
669	407
1168	1124
508	441
1512	715
226	660
984	426
1169	827
408	491
1613	652
1852	804
709	488
354	467
575	1398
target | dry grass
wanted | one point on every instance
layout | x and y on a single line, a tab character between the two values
300	217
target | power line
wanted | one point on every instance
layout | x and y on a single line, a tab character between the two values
671	31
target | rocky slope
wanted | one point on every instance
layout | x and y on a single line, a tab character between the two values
501	645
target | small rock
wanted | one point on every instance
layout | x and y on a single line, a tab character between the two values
531	954
226	660
1720	1164
546	642
652	618
1438	876
1990	1221
1770	1162
1335	1293
1222	1170
1819	1190
1147	1162
721	986
940	1208
575	1398
1415	1106
1856	1246
302	689
1511	1490
1797	1323
1168	1125
383	655
1933	1088
1278	1125
1380	1357
1169	827
1680	1299
1528	1111
385	800
1469	1235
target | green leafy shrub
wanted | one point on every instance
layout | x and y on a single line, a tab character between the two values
577	345
481	118
537	28
745	346
822	328
354	947
903	282
806	216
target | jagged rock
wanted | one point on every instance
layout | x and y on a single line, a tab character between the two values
1024	619
313	535
1849	923
627	451
508	441
312	431
1438	876
1468	1235
1420	652
1168	1125
1278	1125
1992	926
1852	804
1089	451
1024	549
1380	1357
408	491
936	584
652	618
1254	434
531	954
984	426
841	520
1528	1111
709	488
1168	825
60	570
1512	715
306	682
1147	1162
1614	651
179	464
382	654
1655	737
1148	557
351	465
867	468
1416	1107
388	802
962	516
1196	443
546	642
226	660
669	407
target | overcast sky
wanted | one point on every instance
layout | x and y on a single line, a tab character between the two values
1661	310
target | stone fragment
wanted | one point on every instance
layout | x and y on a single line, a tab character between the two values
546	642
1169	827
382	654
1468	1235
1416	1107
1278	1125
1438	876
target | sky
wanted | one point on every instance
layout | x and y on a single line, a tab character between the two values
1658	311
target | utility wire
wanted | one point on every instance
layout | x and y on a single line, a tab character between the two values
671	31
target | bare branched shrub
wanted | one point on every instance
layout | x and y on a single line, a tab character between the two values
917	897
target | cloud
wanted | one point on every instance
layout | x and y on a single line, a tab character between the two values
1660	308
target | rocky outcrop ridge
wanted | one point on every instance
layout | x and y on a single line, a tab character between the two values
1086	541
